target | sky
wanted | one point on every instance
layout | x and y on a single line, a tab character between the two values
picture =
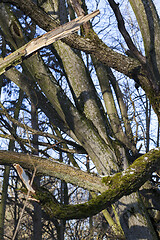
157	4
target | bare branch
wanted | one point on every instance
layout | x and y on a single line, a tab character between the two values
124	32
79	148
118	185
45	40
54	168
94	46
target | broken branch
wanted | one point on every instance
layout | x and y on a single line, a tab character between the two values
46	39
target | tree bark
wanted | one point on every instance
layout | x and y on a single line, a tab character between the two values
84	119
128	181
3	200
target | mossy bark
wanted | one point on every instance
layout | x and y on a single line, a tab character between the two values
83	129
121	184
118	185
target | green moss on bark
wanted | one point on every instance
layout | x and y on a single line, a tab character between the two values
118	185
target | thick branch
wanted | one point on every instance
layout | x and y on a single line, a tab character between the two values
119	185
50	167
103	53
93	45
45	40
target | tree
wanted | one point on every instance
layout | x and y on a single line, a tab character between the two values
66	118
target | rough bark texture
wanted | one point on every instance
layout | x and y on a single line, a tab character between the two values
54	168
118	185
106	137
92	44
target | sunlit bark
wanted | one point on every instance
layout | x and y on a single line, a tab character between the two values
107	138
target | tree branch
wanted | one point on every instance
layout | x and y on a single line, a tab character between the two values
4	112
148	21
125	34
45	40
119	185
50	167
93	45
90	44
36	96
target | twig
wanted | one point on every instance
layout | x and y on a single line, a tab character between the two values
34	131
27	183
124	32
25	203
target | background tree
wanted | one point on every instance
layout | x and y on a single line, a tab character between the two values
84	101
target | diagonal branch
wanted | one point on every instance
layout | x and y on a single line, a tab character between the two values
119	185
45	40
93	46
54	168
36	132
54	146
124	32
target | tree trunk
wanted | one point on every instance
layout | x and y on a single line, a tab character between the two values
134	218
37	215
3	200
